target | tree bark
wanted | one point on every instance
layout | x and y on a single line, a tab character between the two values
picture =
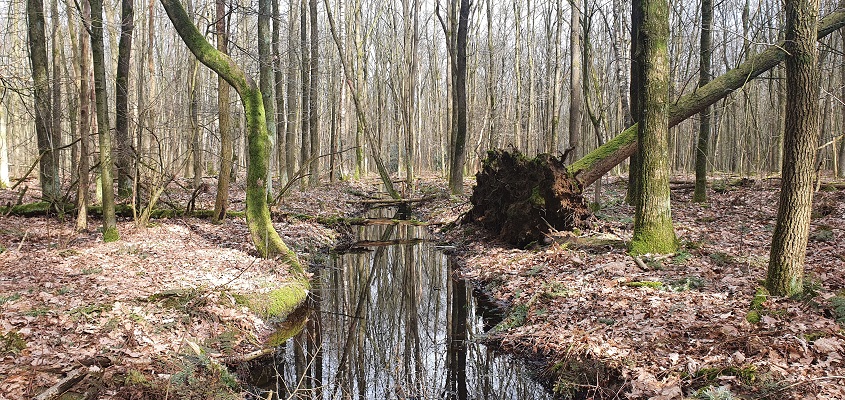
4	148
456	170
313	104
305	93
279	91
48	164
110	233
221	201
653	231
632	193
265	238
789	241
576	101
84	123
705	51
601	160
265	80
123	161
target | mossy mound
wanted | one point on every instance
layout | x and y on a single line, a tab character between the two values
522	199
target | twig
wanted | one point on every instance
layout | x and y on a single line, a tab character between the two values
72	378
640	263
22	240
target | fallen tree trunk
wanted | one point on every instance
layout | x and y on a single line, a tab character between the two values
601	160
522	200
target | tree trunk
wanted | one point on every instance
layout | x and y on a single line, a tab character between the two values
123	161
595	164
84	123
290	126
48	164
360	110
653	231
305	93
575	75
456	170
267	241
632	194
789	241
313	104
194	95
279	90
110	233
221	201
700	193
265	81
841	159
4	149
56	89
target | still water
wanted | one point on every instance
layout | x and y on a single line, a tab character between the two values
388	321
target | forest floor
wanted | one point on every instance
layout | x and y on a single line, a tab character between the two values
609	326
131	314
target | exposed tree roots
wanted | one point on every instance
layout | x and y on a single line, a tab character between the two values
523	199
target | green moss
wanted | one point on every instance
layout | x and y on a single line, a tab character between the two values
111	235
656	240
626	138
290	327
536	198
648	284
515	318
278	303
838	304
760	297
753	317
746	374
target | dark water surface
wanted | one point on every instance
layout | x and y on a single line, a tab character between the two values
389	322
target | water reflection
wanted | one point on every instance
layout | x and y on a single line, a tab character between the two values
391	323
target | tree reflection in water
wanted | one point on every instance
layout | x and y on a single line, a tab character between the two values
391	323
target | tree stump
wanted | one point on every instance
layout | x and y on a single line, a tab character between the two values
522	199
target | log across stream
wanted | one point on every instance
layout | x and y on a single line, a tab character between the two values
391	323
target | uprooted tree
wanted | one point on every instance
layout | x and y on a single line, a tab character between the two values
500	193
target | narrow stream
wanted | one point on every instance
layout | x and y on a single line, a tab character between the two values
388	321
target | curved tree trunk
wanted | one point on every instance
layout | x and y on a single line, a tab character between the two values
267	241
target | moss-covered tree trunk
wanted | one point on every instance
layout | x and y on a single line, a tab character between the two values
700	193
110	233
598	162
789	242
267	241
653	231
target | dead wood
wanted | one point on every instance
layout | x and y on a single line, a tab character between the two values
73	377
522	199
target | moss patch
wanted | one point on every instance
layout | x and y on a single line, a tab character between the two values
278	303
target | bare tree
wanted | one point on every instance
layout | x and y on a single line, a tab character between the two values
221	201
123	161
789	241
